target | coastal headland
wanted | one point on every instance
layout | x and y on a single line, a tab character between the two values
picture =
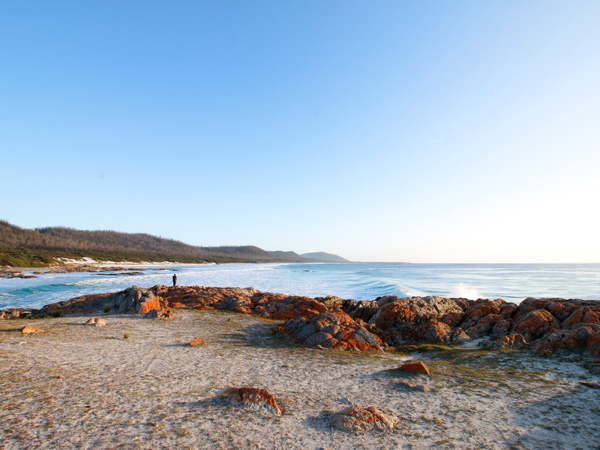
212	368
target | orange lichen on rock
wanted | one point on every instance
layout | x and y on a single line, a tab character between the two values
280	307
330	329
150	303
418	367
535	324
253	398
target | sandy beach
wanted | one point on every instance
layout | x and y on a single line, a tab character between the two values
137	384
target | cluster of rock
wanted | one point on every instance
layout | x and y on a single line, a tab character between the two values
543	325
15	313
330	329
353	418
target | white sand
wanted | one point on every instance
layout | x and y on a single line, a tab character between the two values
80	387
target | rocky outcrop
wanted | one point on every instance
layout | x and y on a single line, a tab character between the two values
248	300
363	418
330	329
253	398
136	300
542	325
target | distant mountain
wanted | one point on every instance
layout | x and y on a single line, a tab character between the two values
322	256
22	247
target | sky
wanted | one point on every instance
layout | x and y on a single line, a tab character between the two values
429	131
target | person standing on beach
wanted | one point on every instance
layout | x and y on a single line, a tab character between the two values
174	280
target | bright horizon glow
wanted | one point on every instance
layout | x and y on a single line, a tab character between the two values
397	131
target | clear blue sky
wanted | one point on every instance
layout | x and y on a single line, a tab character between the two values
432	131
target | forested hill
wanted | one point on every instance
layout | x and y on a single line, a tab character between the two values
23	247
322	256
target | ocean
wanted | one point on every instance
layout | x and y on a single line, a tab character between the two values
358	281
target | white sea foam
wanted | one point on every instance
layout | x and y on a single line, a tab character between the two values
349	281
464	291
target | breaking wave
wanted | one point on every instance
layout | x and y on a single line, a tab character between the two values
464	291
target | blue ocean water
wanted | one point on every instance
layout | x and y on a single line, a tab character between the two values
358	281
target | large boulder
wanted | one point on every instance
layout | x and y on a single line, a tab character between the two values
485	317
132	300
410	320
79	305
535	324
136	300
278	308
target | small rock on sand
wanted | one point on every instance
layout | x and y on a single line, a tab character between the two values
253	398
97	322
29	330
418	367
363	418
164	313
197	341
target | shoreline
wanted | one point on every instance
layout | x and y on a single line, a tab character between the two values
544	326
